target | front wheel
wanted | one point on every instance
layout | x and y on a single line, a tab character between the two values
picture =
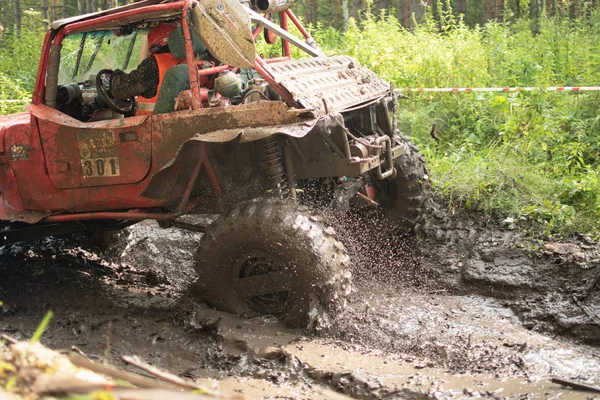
268	257
403	197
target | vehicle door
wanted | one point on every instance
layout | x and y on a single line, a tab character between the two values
110	149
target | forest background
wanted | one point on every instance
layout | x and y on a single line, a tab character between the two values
526	159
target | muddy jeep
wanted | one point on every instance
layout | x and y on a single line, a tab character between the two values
264	142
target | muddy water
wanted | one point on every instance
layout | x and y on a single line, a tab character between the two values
483	315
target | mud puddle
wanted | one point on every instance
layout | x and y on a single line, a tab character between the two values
456	322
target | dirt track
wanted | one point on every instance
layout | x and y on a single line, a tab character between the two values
463	311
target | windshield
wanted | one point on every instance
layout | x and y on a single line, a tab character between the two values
84	54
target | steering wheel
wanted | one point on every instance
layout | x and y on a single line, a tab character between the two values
103	78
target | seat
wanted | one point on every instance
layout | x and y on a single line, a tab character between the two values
176	78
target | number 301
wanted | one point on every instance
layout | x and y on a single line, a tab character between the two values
100	167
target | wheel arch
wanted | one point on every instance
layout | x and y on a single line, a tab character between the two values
169	182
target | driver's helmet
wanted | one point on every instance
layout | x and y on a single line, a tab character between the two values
158	37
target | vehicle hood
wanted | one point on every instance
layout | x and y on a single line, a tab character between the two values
328	84
13	119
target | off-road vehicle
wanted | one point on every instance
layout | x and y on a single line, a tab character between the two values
257	138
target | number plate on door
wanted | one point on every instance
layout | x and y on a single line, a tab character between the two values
99	154
100	167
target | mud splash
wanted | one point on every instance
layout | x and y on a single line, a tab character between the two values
461	310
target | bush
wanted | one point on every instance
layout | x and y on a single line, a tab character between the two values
19	59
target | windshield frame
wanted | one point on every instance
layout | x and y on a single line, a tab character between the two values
111	49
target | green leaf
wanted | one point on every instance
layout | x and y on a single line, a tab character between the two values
37	335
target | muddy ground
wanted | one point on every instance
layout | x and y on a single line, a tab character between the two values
462	309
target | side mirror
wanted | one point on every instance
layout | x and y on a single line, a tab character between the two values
224	28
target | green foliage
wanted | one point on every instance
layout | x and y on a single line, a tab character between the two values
19	58
531	157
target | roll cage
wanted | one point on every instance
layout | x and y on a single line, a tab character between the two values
149	12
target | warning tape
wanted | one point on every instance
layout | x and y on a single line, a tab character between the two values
457	90
506	89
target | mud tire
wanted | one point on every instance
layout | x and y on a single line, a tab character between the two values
272	236
403	197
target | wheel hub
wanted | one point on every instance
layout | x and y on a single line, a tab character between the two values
272	300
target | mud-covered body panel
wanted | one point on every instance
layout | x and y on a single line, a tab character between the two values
17	153
47	172
101	153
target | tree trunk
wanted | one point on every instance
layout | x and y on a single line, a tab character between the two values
65	9
382	5
357	6
345	15
54	10
81	7
306	10
461	7
417	11
311	8
576	9
405	13
44	7
490	8
499	11
337	14
17	14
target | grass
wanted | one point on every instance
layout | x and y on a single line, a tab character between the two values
503	185
37	335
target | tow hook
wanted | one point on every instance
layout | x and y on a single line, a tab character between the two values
390	171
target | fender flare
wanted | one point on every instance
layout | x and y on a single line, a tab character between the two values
167	183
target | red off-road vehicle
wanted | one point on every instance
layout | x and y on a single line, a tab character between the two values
253	138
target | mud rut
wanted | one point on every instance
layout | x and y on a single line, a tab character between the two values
461	310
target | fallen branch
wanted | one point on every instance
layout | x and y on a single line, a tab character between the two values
131	377
8	339
575	385
49	384
78	350
166	376
157	394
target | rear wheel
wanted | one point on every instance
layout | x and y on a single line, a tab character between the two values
269	257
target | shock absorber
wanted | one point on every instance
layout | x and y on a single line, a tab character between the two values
274	166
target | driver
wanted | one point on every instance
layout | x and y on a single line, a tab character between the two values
146	80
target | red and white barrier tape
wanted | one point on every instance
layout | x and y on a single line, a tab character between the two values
506	89
458	90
